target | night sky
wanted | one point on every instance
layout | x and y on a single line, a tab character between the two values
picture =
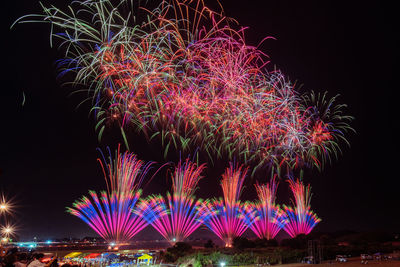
48	146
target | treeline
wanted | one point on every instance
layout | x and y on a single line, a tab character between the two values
182	253
262	251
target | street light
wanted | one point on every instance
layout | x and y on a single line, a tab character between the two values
6	205
6	209
222	263
3	207
7	230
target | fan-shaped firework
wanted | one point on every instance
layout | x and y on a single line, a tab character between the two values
270	217
300	219
228	217
110	214
184	75
179	216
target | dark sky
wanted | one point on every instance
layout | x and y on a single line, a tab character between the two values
48	146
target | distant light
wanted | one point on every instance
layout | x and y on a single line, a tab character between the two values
7	230
6	206
222	263
48	242
112	244
174	239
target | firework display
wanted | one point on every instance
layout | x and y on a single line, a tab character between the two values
300	218
228	217
184	75
110	213
176	217
270	217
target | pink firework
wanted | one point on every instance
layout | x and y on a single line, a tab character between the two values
229	217
270	216
177	217
300	219
187	77
110	214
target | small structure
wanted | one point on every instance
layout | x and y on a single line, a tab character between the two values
145	259
72	255
92	256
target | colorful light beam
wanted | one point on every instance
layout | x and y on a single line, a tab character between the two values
176	218
228	217
300	218
270	217
110	213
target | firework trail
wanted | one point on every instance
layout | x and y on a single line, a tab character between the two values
176	217
186	76
300	219
228	217
110	213
271	218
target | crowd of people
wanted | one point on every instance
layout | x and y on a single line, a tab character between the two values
13	258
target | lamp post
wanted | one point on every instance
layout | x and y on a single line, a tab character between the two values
7	230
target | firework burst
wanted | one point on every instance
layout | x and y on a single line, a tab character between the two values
176	217
271	218
228	217
110	213
186	76
300	218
